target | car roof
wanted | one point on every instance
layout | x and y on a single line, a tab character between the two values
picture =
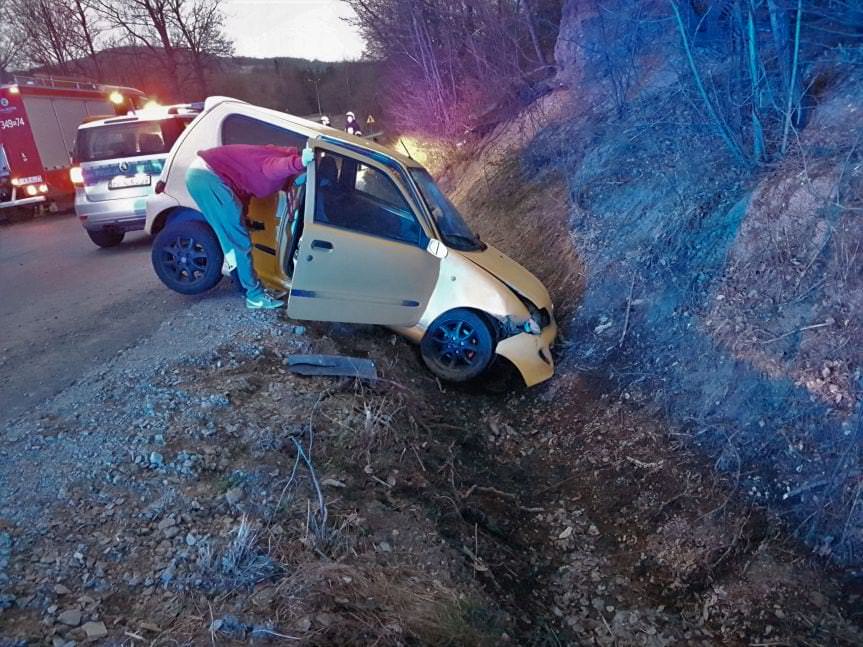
325	132
144	115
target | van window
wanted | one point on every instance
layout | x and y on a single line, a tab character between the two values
239	129
130	139
351	195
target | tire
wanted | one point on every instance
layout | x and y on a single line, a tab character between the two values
187	257
458	346
106	237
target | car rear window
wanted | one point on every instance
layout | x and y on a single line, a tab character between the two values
131	139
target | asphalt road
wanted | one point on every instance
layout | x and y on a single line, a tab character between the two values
66	305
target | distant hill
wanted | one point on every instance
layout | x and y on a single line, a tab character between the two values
295	85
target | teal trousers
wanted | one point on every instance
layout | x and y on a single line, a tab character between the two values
224	213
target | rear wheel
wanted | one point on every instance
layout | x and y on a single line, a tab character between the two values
187	257
106	237
458	346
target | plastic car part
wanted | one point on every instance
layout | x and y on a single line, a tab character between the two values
333	365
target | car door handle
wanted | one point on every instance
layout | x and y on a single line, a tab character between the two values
324	245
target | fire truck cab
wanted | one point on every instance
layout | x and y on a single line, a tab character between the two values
39	117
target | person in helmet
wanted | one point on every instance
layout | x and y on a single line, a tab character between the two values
325	121
222	180
352	126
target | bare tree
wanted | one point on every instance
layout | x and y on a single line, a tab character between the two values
184	36
199	28
449	62
88	29
146	23
9	46
46	32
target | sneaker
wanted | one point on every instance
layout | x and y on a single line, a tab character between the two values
263	302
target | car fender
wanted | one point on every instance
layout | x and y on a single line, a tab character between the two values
158	205
464	284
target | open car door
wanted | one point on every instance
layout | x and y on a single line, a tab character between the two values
361	256
271	226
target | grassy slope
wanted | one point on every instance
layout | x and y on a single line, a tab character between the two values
688	269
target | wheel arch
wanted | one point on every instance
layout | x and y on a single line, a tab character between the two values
175	214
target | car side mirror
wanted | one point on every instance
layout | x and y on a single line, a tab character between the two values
436	248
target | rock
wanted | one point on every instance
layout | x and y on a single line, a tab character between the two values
167	522
59	589
156	459
94	630
234	495
70	617
566	533
333	483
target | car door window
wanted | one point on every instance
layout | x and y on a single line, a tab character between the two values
240	129
361	198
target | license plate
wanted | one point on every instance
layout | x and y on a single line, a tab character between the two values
124	181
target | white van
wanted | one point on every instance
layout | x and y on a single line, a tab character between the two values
116	162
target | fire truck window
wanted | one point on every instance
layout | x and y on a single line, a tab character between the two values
239	129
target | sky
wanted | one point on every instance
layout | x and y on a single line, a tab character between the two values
312	29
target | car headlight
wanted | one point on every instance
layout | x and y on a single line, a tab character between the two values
517	325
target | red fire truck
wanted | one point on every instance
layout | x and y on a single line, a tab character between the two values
39	117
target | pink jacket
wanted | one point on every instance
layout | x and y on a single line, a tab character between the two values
250	170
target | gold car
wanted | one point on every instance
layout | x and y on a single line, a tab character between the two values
367	238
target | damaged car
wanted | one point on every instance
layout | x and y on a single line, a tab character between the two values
367	238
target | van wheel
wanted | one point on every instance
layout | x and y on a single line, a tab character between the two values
106	237
458	346
187	257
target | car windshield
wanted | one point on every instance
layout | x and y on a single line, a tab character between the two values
131	139
449	221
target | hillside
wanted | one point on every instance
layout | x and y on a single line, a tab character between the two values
296	85
724	299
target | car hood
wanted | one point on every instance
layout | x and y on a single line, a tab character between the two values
511	274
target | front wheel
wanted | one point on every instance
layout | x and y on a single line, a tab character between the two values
105	237
458	346
187	257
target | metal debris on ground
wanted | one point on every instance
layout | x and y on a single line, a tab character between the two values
332	365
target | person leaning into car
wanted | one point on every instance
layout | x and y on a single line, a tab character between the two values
222	180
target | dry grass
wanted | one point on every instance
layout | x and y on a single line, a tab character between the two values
368	604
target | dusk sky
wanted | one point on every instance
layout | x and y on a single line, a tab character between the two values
313	29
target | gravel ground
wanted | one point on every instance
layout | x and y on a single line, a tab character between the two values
165	498
96	422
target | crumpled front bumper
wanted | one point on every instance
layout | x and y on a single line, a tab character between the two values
531	354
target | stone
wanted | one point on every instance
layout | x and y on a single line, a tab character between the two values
94	630
234	495
167	522
70	617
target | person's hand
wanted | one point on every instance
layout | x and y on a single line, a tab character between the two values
308	156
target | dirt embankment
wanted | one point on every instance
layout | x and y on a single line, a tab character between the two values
728	297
